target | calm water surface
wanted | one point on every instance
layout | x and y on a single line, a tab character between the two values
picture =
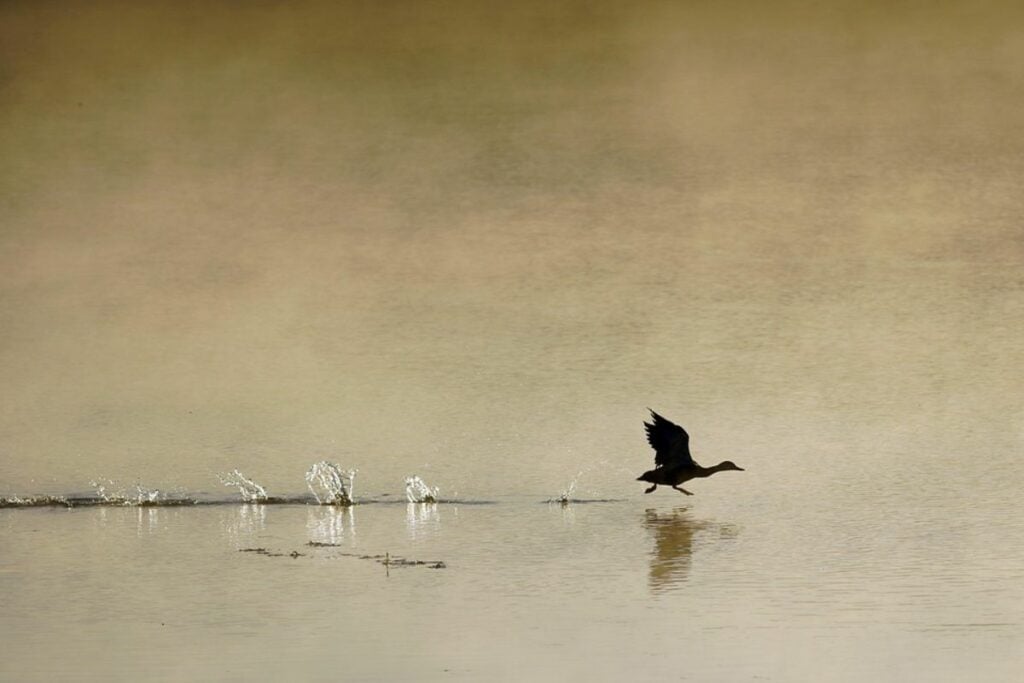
744	581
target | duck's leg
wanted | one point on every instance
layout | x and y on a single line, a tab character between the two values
650	489
682	490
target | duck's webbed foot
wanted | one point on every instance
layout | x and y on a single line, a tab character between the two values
650	489
682	490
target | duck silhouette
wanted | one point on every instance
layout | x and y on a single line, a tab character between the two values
672	459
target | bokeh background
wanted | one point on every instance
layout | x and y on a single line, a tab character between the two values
474	240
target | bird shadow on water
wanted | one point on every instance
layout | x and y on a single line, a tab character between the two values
677	535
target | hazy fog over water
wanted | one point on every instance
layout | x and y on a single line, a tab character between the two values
477	239
474	241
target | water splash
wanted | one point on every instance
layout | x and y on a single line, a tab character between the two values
108	492
417	491
250	490
329	484
565	497
144	496
102	491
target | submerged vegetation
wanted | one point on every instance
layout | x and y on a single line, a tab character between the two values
387	559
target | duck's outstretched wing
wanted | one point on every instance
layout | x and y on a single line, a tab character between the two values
670	442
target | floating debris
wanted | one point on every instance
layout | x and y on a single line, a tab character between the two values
387	559
267	553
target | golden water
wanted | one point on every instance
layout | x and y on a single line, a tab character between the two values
472	242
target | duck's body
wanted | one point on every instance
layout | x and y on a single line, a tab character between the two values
674	464
674	475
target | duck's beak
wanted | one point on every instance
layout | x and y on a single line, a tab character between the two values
740	468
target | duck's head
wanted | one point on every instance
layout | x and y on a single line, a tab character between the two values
729	465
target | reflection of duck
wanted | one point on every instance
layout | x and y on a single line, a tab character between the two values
672	459
673	545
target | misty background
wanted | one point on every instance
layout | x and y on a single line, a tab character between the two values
474	240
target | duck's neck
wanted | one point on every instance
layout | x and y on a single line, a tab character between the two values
708	471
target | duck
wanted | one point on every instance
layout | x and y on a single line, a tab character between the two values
673	462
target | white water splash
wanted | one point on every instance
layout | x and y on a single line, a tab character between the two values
110	492
565	496
250	490
329	484
144	496
417	491
102	490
